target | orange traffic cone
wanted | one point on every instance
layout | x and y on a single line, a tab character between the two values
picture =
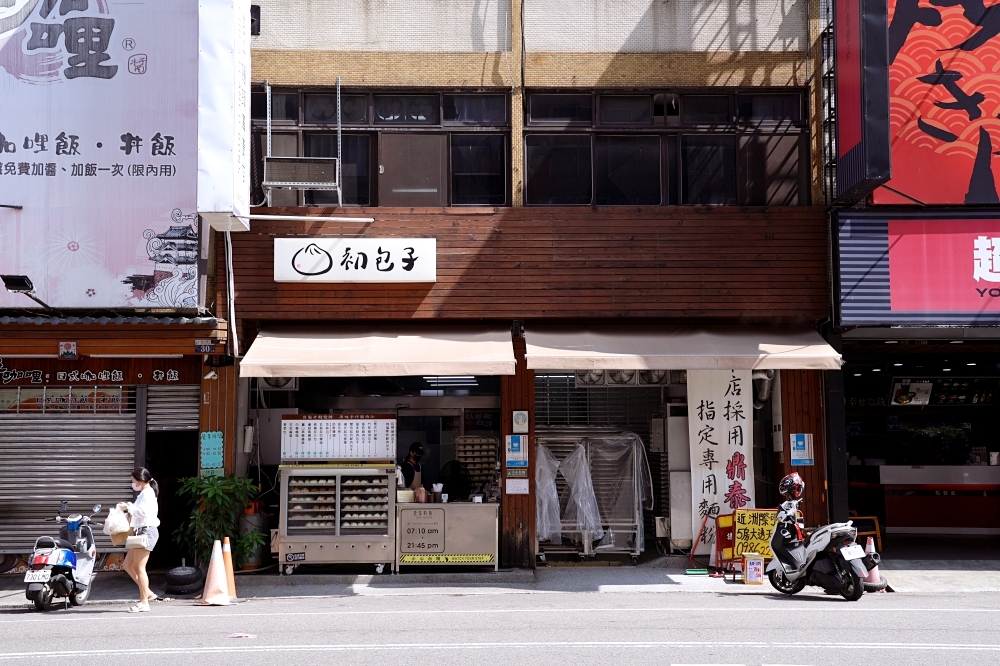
227	557
873	575
216	591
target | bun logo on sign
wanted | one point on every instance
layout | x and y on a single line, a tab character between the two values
944	265
312	260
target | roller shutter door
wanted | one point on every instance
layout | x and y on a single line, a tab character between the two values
45	459
173	407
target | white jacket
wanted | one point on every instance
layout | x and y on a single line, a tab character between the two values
143	511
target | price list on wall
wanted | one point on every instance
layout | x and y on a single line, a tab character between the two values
338	437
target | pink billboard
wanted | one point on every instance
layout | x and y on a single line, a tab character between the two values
100	105
944	265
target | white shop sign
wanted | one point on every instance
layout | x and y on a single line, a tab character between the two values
384	260
720	404
338	436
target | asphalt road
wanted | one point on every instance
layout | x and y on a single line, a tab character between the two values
517	629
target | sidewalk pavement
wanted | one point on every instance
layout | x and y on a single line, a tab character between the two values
663	574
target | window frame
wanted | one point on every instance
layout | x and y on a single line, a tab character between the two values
506	170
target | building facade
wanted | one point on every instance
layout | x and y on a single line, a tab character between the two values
619	192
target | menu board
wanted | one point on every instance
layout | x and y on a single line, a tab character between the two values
943	391
338	437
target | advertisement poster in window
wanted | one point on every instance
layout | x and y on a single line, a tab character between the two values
944	83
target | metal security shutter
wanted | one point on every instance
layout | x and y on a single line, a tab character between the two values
558	402
45	459
173	407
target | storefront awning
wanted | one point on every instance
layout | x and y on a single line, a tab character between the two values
379	352
677	348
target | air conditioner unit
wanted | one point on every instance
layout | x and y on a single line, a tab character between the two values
588	378
278	383
621	377
300	173
654	377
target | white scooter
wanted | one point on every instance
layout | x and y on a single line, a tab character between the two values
63	567
827	557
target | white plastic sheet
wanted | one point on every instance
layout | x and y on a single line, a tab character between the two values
117	522
548	524
581	508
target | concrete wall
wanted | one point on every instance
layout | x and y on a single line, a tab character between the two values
469	26
656	26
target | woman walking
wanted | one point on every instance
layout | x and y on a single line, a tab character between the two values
144	520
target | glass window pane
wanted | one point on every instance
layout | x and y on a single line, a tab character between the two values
625	110
756	108
627	170
478	176
558	169
414	169
708	169
355	171
561	108
284	106
705	109
475	109
406	109
323	108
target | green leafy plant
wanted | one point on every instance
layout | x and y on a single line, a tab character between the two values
216	506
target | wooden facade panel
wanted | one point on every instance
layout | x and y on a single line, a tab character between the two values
802	411
138	340
218	411
517	526
528	263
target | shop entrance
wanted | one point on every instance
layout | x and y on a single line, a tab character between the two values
170	456
435	430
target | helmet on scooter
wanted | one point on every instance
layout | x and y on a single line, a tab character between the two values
792	486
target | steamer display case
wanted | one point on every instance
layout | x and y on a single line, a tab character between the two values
338	490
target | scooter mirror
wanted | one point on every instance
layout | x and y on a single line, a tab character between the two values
63	505
97	508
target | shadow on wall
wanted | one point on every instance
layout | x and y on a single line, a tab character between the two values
675	42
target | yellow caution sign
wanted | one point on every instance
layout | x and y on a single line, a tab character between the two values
446	559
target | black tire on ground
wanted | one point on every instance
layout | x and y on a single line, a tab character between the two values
853	587
190	588
781	584
183	576
877	587
43	602
80	598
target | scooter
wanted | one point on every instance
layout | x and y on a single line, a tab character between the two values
827	557
63	568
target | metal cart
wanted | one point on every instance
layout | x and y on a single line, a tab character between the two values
334	514
620	475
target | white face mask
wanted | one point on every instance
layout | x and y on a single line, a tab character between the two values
136	486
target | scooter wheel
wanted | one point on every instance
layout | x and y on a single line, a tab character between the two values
853	588
783	585
43	602
80	598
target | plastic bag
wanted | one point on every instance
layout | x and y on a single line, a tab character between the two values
547	522
581	509
117	522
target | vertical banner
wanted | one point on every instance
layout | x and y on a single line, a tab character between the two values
721	435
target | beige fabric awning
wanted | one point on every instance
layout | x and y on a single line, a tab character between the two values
677	348
379	352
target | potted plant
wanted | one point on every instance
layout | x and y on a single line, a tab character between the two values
216	506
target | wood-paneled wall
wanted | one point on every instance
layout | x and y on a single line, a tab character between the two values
124	339
683	263
802	412
517	524
219	409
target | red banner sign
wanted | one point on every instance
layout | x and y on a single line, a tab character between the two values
944	82
944	265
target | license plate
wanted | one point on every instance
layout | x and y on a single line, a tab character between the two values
854	552
40	576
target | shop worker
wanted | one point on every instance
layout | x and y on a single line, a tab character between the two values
411	466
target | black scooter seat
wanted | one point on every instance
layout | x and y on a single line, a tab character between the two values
58	543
